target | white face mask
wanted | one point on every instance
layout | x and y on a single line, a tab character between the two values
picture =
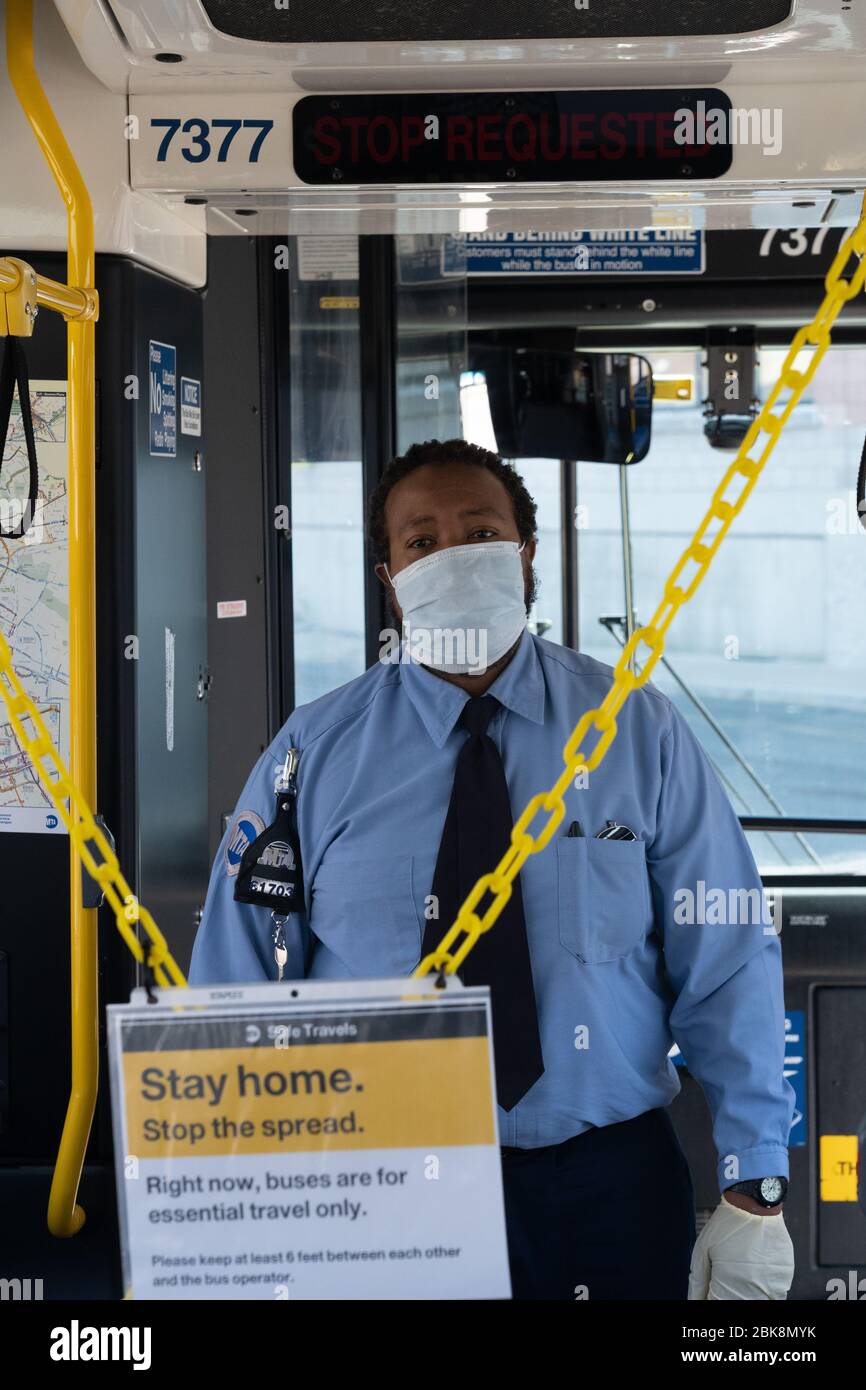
463	608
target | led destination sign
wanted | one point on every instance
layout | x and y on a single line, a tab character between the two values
506	137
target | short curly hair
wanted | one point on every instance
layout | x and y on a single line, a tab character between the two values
436	451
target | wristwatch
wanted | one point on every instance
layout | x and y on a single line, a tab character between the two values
767	1192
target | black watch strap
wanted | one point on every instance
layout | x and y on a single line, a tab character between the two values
768	1192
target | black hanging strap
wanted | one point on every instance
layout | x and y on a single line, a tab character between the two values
270	872
14	372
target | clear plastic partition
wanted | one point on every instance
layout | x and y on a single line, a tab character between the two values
327	481
430	300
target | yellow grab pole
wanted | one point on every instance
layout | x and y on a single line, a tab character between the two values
65	1217
50	294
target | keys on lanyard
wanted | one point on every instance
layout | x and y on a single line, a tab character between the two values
281	951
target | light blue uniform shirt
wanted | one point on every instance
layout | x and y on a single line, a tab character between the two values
618	974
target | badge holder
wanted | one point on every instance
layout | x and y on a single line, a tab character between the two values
271	873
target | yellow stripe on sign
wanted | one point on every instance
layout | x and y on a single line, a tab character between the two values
340	301
838	1167
256	1100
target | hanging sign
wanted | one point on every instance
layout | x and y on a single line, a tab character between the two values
308	1141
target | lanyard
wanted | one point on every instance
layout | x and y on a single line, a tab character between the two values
271	873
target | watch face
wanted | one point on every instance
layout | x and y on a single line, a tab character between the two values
772	1190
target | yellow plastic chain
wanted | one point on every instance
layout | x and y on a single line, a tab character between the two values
85	832
83	829
678	589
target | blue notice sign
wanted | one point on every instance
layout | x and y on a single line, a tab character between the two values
795	1070
190	406
162	374
654	251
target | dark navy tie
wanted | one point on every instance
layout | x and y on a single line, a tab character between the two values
476	835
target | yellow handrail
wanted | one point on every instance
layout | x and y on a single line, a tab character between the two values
50	294
65	1216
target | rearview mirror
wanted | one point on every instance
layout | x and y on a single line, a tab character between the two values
591	406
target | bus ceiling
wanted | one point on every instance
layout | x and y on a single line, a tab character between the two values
193	117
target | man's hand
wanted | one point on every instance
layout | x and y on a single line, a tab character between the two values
740	1255
747	1203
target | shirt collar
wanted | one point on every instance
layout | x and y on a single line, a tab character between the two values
438	703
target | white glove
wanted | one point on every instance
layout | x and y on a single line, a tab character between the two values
739	1255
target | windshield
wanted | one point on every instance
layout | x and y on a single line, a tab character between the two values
768	664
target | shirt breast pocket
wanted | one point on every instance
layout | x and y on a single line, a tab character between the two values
364	911
603	900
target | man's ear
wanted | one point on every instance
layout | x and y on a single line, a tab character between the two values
382	575
530	580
